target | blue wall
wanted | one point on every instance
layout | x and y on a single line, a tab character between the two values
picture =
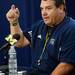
30	13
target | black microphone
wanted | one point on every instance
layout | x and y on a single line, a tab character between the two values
7	45
16	36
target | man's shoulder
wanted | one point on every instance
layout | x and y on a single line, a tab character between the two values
71	21
69	27
71	24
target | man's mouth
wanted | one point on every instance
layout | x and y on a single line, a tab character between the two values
46	18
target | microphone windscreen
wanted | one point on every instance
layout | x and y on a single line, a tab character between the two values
16	36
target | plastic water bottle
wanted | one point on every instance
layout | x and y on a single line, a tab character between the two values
12	61
1	73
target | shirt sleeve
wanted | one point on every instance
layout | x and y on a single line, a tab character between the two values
28	35
67	48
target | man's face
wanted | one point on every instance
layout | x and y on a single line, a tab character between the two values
50	13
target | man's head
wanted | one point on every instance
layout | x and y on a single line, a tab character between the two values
53	11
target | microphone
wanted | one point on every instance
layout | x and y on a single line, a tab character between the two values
11	41
16	36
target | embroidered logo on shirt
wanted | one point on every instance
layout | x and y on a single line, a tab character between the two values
52	41
30	33
59	48
39	36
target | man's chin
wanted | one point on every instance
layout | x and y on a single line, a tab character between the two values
47	23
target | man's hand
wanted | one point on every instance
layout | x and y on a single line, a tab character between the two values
13	14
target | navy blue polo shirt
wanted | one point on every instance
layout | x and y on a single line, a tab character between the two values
59	48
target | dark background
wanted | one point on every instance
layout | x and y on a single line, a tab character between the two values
29	14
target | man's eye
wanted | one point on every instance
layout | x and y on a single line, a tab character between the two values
49	8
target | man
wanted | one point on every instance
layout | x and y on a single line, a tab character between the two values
52	39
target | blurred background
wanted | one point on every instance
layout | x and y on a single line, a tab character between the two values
29	14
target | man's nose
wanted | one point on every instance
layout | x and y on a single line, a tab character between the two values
44	12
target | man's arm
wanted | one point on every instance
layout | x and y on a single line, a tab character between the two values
12	16
64	69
